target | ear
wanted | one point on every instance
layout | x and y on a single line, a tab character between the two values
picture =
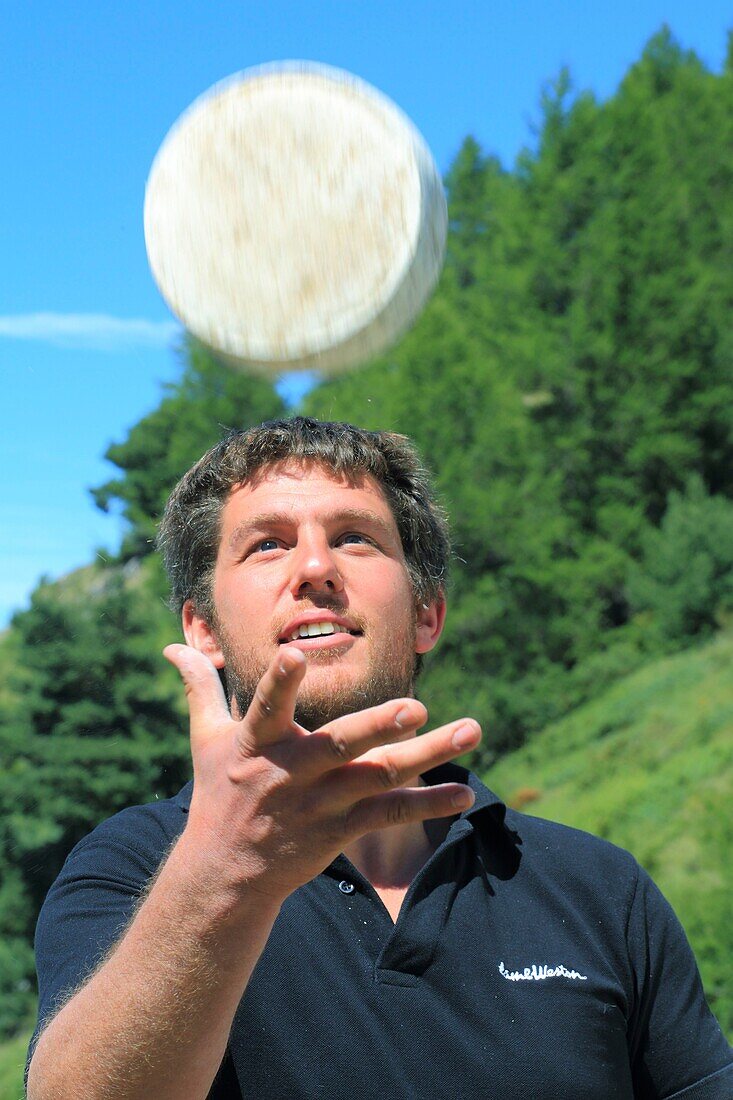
430	620
199	635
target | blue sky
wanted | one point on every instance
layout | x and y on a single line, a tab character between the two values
87	93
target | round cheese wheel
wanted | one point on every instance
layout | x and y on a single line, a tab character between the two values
295	219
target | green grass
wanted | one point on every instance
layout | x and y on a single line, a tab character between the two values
649	766
12	1064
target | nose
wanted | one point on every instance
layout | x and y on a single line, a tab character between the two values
314	567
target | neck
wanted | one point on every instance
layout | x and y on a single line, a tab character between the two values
390	858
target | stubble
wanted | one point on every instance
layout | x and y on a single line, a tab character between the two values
390	674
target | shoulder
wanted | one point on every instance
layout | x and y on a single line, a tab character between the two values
601	891
554	867
542	848
547	846
566	842
584	862
133	842
547	867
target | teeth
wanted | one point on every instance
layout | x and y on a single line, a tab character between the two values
312	630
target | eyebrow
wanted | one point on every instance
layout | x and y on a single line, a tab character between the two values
272	520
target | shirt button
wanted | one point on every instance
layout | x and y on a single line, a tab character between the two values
346	887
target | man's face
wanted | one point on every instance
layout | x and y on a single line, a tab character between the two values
302	549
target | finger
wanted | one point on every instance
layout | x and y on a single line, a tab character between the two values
207	705
392	766
270	714
406	805
352	735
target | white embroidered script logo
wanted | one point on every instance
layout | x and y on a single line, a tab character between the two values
536	973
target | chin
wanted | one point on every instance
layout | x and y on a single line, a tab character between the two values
336	683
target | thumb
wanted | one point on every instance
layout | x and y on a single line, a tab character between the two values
207	705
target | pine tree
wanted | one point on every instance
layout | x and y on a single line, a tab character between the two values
209	400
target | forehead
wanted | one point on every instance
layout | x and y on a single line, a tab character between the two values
301	493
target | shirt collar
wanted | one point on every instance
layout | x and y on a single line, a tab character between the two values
487	804
183	798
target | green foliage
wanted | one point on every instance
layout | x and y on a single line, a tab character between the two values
97	724
209	399
685	577
649	766
16	982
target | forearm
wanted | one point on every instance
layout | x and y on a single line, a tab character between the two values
154	1020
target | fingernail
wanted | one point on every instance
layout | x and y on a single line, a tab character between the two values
463	799
405	717
465	736
292	662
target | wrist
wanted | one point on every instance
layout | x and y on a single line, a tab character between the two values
231	886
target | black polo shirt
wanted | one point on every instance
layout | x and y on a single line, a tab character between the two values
529	962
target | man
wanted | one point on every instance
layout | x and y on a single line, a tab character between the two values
335	907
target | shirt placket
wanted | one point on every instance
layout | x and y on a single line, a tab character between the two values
400	952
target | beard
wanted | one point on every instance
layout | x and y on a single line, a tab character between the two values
390	674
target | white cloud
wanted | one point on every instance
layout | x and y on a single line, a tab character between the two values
96	331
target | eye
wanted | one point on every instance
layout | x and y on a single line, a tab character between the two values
354	535
264	545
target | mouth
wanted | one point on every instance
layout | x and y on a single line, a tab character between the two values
320	635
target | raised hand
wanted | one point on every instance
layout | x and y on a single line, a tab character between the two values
276	803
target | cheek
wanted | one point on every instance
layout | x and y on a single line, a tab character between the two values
241	624
237	598
398	609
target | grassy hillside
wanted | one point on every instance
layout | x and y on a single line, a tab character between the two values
12	1064
649	766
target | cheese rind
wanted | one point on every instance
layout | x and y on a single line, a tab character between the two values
294	218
